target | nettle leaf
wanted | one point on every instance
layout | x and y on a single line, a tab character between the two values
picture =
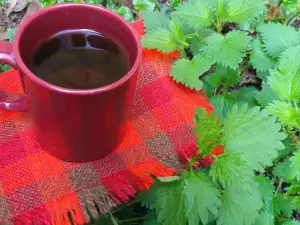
265	218
293	222
254	134
289	148
207	129
126	13
282	204
196	42
188	72
266	95
266	189
295	165
239	208
160	39
283	170
151	218
277	38
296	202
287	114
144	5
228	51
259	59
168	202
230	170
285	79
201	196
245	95
241	11
175	3
195	14
294	189
224	76
223	104
155	20
263	75
291	5
177	32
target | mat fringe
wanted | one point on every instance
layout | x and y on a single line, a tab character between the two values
96	200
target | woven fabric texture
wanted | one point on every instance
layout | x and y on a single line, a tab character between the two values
36	188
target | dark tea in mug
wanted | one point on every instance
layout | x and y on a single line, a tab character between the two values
80	59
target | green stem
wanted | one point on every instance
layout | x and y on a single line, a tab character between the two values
182	52
293	20
279	185
288	18
193	161
219	26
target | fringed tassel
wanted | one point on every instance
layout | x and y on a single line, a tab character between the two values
62	211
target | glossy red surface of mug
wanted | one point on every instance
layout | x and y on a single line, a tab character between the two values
73	125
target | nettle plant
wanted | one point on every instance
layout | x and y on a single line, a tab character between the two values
256	179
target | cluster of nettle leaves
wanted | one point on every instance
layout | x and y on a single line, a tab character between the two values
256	180
118	7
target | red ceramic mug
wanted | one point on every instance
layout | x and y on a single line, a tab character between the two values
73	125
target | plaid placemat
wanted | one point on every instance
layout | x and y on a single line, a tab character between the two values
36	188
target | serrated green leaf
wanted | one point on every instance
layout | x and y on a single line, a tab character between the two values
295	165
294	189
254	134
293	222
177	32
188	72
291	5
207	129
245	95
266	188
239	208
263	75
175	3
168	202
277	38
289	147
144	5
241	11
195	14
283	170
155	20
151	218
265	218
287	114
201	196
296	202
282	204
230	170
196	42
160	39
223	104
225	76
227	51
259	59
126	13
266	95
285	79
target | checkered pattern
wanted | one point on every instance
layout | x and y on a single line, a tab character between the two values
37	188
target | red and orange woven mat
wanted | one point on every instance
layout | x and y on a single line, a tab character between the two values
36	188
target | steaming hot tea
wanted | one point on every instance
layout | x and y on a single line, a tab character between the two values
80	59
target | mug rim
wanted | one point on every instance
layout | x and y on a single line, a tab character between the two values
27	72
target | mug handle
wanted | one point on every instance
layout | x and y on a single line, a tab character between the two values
10	101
